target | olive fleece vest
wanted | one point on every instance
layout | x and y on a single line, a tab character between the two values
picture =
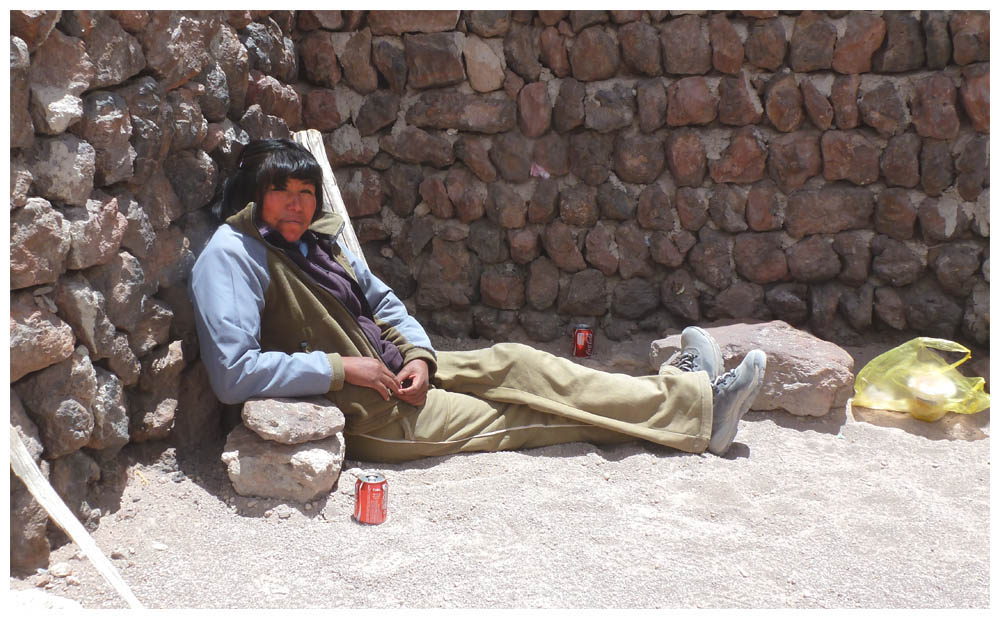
299	315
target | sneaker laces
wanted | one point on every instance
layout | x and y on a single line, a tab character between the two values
685	360
724	380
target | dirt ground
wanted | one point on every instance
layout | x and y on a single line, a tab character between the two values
854	509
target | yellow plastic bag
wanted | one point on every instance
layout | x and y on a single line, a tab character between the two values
913	378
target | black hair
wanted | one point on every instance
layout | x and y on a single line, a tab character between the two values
267	163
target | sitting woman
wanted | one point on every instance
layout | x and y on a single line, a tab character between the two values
283	309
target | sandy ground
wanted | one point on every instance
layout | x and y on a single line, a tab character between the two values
852	509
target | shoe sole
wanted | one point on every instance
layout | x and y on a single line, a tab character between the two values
743	408
716	351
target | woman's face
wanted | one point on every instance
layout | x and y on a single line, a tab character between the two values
290	210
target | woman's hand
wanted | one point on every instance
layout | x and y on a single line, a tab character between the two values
414	380
372	373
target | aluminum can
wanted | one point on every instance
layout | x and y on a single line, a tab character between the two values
583	341
371	496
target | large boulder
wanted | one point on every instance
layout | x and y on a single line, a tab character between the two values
805	375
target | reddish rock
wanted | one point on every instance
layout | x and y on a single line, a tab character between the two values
972	166
711	258
686	158
274	99
883	109
502	287
727	207
743	160
900	161
544	203
812	43
935	26
379	110
942	219
686	47
766	45
844	97
321	111
552	46
601	249
864	35
413	145
535	109
488	23
970	36
895	262
561	247
679	294
594	55
975	93
314	20
59	73
345	146
356	60
505	207
551	18
690	102
511	154
521	50
651	98
590	156
727	49
434	60
585	295
390	60
625	17
634	258
904	44
784	103
818	107
738	101
543	284
116	55
483	66
467	194
692	208
854	249
933	108
475	153
39	244
664	250
107	127
760	258
363	194
793	159
640	44
634	298
813	260
33	27
524	244
955	267
582	19
614	203
319	58
435	194
849	155
552	154
443	109
655	211
62	168
578	205
765	207
569	111
638	159
610	109
895	215
828	210
398	22
889	307
937	170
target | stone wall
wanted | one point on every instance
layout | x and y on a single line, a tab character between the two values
507	172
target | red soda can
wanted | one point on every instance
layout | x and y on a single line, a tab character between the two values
371	495
583	341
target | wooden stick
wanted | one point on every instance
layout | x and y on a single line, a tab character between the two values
26	469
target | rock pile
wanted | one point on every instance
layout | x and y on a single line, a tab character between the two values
289	449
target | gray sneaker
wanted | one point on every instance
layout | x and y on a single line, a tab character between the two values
699	352
733	393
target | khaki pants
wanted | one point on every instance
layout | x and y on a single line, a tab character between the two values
512	396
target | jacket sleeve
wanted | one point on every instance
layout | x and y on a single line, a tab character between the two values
391	312
227	290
